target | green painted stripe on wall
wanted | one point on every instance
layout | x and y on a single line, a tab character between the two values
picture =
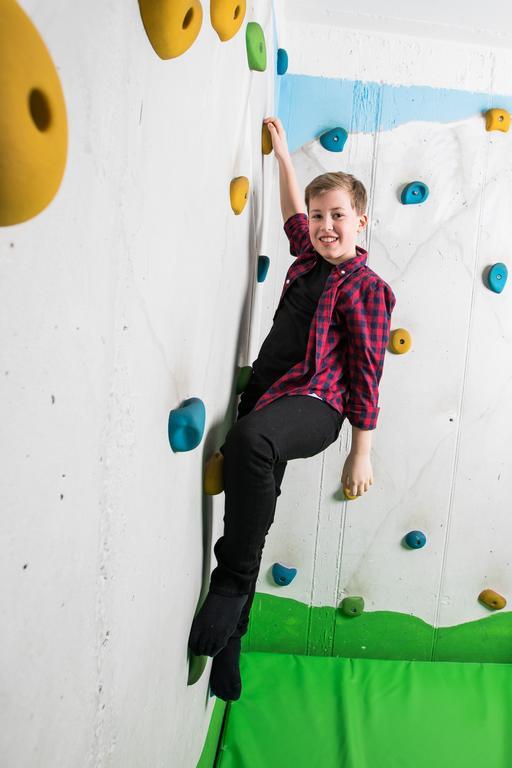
283	625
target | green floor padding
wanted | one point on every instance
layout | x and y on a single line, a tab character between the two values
328	712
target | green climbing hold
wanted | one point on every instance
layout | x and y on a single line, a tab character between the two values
196	668
352	606
256	48
243	378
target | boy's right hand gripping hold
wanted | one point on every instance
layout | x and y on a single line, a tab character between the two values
291	198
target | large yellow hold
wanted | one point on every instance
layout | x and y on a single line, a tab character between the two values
227	17
33	124
171	25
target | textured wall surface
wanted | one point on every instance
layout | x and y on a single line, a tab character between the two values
414	110
128	294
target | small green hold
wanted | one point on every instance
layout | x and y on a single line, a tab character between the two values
352	606
243	379
256	48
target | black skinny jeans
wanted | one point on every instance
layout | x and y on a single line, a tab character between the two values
256	451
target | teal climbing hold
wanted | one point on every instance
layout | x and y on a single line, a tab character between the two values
334	140
415	192
352	606
186	425
415	540
256	48
263	265
243	378
282	61
497	277
283	575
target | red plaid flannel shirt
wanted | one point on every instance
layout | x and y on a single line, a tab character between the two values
348	335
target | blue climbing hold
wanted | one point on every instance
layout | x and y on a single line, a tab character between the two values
334	140
415	540
415	192
282	61
186	425
497	277
263	265
283	575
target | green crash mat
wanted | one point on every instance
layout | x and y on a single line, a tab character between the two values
332	712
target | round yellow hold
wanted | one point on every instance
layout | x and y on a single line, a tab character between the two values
33	124
492	599
348	495
171	25
227	17
238	193
214	474
400	341
266	140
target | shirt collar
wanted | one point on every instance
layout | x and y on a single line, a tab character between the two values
359	260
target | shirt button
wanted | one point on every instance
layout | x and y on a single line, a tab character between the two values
287	282
342	271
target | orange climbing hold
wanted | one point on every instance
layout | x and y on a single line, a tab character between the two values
492	599
33	123
227	17
266	140
400	341
171	25
214	474
238	192
497	120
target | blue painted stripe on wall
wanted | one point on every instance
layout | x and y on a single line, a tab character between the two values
309	105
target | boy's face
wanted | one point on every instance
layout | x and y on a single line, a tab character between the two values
334	225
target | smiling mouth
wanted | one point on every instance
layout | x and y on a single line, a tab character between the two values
328	240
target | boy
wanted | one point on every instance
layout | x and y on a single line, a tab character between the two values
321	362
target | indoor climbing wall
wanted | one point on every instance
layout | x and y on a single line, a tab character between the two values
134	178
419	567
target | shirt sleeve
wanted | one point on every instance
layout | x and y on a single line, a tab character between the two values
297	232
368	324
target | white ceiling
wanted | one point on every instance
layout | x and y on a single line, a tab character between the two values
465	21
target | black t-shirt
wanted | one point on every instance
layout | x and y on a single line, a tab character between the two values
287	340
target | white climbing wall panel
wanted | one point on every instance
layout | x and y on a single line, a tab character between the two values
440	449
125	296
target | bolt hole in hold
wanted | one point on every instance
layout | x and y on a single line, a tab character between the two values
39	109
236	13
188	18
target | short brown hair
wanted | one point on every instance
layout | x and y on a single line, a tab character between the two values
339	180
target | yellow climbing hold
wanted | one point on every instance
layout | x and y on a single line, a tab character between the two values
238	192
266	140
214	474
33	124
400	341
171	25
226	17
348	495
497	120
492	599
